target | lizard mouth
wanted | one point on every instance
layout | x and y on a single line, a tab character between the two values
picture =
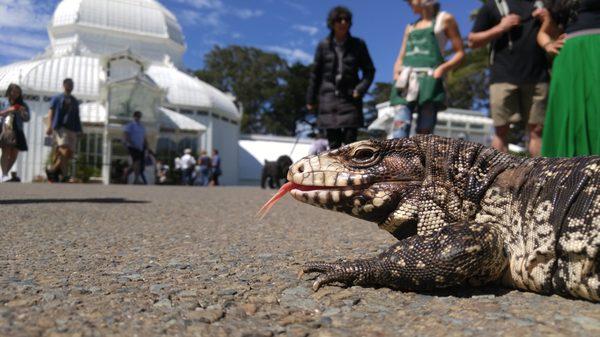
331	197
297	190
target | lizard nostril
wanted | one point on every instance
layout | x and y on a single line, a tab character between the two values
301	168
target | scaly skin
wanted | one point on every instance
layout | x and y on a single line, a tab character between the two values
463	214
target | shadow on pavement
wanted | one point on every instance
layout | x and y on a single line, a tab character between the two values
82	201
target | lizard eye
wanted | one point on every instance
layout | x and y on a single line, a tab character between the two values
364	155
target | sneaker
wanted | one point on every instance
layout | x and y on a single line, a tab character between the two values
5	179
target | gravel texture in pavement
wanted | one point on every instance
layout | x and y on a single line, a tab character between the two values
87	260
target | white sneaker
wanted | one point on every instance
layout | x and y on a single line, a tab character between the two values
6	178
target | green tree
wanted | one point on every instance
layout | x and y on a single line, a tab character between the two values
289	103
252	75
468	85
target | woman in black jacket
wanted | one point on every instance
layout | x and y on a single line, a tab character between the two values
335	88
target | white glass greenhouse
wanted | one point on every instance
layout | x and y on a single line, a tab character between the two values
123	55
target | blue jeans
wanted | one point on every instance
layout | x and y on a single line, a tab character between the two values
426	119
204	176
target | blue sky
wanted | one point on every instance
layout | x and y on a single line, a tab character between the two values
289	28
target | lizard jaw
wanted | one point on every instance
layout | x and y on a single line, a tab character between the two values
321	195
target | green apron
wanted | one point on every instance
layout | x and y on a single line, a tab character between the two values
423	51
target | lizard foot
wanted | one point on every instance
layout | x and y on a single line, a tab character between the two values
348	273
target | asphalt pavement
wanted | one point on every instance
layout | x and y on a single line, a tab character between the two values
90	260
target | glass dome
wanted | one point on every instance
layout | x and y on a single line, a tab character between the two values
105	26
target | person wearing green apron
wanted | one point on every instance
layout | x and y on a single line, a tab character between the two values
421	56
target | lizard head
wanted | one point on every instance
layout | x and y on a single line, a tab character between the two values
367	179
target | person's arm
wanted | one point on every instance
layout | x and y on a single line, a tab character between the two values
485	29
316	75
126	137
24	111
452	32
51	112
401	54
368	71
549	36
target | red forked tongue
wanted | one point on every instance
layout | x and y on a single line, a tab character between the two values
285	189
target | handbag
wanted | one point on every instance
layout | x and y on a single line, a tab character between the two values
8	135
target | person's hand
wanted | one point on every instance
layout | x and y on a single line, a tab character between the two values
554	47
21	109
509	21
310	107
49	131
356	94
541	14
4	113
438	73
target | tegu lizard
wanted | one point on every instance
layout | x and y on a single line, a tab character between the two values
463	214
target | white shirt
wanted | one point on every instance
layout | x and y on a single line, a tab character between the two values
187	161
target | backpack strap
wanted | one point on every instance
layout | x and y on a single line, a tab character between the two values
504	10
502	6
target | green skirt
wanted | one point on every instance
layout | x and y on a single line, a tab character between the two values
572	126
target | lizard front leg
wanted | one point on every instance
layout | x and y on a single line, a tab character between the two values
457	254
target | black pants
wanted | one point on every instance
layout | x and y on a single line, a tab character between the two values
137	164
339	137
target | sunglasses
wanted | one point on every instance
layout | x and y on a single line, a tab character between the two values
342	19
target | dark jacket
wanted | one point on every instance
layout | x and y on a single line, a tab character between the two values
336	106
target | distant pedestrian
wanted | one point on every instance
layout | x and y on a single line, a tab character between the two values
13	113
134	135
162	172
572	30
336	90
187	167
319	144
177	170
204	164
65	124
215	168
519	67
420	68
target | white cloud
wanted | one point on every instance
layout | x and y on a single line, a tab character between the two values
23	28
310	30
292	54
247	13
296	6
26	40
212	12
210	4
16	52
24	14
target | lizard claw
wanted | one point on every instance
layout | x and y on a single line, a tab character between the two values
342	272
